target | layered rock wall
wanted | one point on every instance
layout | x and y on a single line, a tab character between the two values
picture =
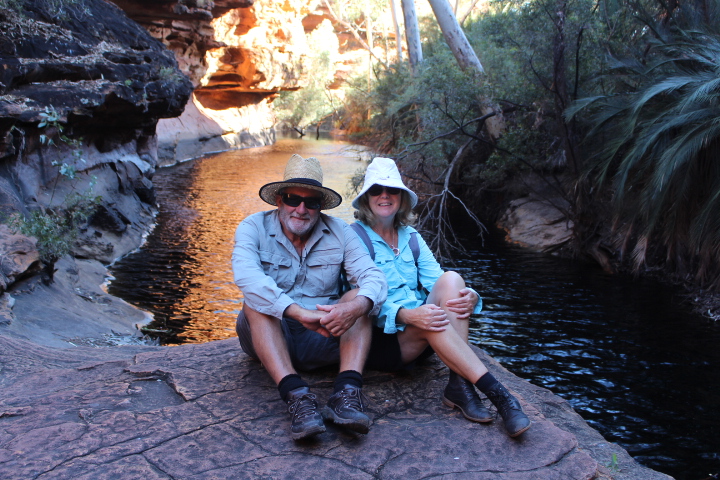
238	54
81	90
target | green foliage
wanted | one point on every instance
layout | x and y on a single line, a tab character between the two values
15	5
353	10
614	465
660	142
314	102
167	74
56	229
54	129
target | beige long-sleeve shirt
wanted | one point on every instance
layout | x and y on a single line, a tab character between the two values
272	275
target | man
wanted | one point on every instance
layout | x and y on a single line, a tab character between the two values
288	264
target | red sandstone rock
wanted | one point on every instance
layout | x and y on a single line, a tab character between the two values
209	412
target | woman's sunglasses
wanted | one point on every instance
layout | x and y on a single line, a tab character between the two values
376	190
292	200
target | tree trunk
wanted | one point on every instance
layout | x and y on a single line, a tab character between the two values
560	90
454	36
398	33
412	34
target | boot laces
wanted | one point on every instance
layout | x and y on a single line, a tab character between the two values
506	403
303	406
352	398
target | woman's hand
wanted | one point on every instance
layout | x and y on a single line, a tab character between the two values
426	317
464	304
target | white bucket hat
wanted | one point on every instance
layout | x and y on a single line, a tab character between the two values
306	173
383	171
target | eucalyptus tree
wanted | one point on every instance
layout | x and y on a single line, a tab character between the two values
412	35
455	37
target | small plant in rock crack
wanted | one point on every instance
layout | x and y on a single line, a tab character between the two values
55	229
614	465
54	130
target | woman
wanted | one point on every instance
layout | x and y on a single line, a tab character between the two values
415	323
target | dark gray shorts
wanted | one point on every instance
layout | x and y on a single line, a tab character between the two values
308	349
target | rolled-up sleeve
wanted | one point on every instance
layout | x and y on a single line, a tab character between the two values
361	271
260	290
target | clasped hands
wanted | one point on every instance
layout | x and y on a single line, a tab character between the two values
331	320
434	318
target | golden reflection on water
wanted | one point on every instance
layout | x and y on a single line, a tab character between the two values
222	192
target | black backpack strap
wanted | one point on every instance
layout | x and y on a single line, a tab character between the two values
365	238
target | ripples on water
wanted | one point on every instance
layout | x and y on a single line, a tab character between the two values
634	363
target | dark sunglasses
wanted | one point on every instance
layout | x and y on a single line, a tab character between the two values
292	200
376	190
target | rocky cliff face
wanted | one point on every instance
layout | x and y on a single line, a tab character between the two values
81	90
239	54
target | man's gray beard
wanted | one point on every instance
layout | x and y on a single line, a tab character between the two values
287	221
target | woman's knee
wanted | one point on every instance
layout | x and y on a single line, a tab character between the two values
448	286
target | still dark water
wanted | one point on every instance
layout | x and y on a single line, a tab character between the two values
627	355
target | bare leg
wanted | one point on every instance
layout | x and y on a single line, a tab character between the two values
269	343
448	345
355	343
451	344
447	288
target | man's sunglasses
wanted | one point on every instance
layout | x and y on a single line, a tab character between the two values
376	190
292	200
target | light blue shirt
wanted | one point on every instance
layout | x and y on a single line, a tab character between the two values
402	276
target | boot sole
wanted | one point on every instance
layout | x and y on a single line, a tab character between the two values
472	419
310	432
359	426
521	431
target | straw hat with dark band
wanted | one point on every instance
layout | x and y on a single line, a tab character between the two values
305	173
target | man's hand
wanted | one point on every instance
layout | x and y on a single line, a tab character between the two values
340	317
464	304
309	319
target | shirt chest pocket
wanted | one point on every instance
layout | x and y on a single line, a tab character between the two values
278	268
399	271
323	273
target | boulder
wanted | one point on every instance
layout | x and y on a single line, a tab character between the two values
18	257
537	223
73	310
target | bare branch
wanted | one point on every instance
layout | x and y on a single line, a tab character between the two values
435	217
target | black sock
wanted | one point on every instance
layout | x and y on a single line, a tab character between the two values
486	382
348	377
290	382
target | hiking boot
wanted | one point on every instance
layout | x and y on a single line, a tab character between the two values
347	408
306	420
461	393
516	422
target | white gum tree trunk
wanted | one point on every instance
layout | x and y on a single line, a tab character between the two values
394	7
412	34
454	36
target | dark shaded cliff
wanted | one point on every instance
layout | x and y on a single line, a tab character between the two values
82	88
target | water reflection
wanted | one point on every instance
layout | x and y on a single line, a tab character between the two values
627	355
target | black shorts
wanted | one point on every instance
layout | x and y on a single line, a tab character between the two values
310	350
385	354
